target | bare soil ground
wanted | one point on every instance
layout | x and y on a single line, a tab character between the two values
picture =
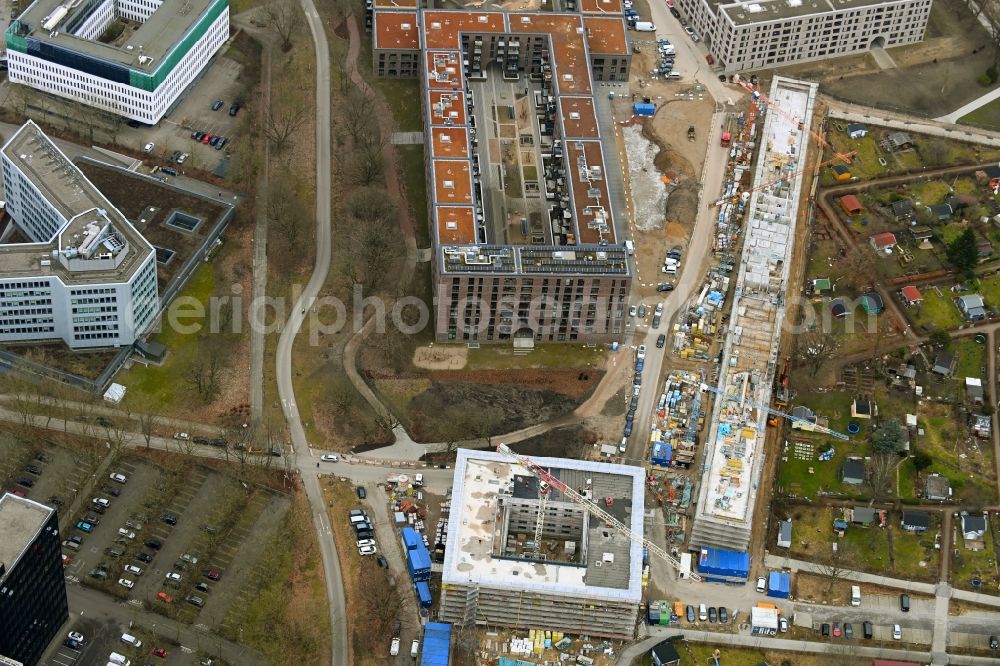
569	442
440	358
934	77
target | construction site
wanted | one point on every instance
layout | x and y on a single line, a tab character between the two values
554	544
735	445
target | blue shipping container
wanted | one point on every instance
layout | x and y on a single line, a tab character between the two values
411	538
779	584
423	593
661	454
437	644
643	109
718	562
418	562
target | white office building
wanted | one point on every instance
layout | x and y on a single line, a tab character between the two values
758	34
132	58
86	276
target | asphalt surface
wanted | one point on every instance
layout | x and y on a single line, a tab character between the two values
283	356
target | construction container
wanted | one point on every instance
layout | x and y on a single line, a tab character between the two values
437	644
418	563
410	538
423	593
779	583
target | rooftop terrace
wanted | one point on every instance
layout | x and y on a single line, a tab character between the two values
21	520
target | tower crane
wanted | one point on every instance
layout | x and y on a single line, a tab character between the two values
551	482
802	122
770	410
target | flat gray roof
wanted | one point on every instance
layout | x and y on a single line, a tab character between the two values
614	563
65	187
21	520
764	11
154	38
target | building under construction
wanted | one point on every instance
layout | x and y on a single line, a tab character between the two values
734	453
566	572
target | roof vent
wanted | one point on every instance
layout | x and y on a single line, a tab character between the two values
436	25
525	19
574	115
405	26
567	77
483	18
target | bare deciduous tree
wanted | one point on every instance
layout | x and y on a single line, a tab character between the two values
203	372
881	475
147	419
837	567
372	239
284	17
281	121
817	347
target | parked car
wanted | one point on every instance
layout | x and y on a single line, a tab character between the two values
195	600
160	652
217	104
367	550
202	587
664	286
169	519
783	624
836	629
173	577
26	482
656	321
33	469
362	493
183	436
690	613
118	478
222	142
994	643
211	574
71	644
394	646
329	457
825	630
382	562
144	557
164	597
126	583
848	630
661	340
148	148
723	615
84	526
761	585
132	569
866	629
101	501
713	614
234	109
897	632
76	636
155	544
127	533
904	602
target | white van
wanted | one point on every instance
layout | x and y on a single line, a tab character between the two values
702	613
630	247
119	659
129	639
855	595
414	648
645	26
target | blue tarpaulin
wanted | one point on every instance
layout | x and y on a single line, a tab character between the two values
661	454
724	564
437	644
779	584
643	109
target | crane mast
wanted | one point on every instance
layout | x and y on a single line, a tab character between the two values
545	477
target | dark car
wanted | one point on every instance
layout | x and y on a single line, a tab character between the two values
628	430
690	613
169	171
217	104
723	615
98	508
200	440
713	615
71	644
867	629
825	630
216	441
202	587
194	135
26	482
664	286
114	492
848	630
904	603
93	520
214	140
104	422
196	601
362	493
382	562
198	136
222	142
144	557
33	469
234	109
169	518
155	544
723	78
994	643
677	14
661	340
656	321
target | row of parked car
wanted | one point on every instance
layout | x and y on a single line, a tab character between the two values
667	54
364	534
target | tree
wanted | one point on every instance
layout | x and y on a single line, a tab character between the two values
147	420
285	210
934	153
858	267
203	373
281	121
372	242
880	475
817	347
889	438
368	164
963	252
940	338
284	18
838	566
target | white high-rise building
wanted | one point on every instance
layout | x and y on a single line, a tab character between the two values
133	58
86	277
760	34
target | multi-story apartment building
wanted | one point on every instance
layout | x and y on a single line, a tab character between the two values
70	49
568	572
86	277
527	222
755	34
33	603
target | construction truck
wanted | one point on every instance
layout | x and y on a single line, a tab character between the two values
691	133
727	131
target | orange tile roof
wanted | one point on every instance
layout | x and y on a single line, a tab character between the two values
441	28
606	35
447	107
571	67
393	4
456	225
452	182
601	6
449	142
396	30
444	69
579	120
588	208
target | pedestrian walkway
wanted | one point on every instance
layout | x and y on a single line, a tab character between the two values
966	109
407	138
776	562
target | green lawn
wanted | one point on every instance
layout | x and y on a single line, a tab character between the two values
413	173
943	427
164	385
987	116
989	289
869	546
403	97
929	193
865	165
914	554
950	231
491	357
937	312
971	359
968	564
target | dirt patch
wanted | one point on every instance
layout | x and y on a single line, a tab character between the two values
568	442
649	195
813	587
440	358
616	405
572	383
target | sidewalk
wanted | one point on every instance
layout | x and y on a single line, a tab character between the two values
775	562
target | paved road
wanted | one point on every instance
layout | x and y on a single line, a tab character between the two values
283	357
